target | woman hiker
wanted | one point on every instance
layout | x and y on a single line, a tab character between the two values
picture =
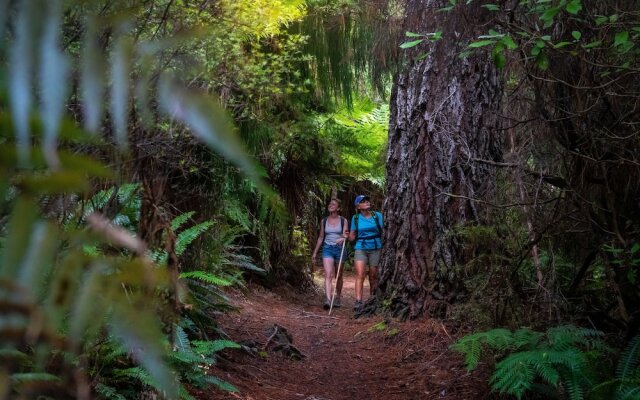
333	233
366	231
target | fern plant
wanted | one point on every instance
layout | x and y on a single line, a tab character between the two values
58	300
626	383
70	294
184	238
127	199
562	359
191	361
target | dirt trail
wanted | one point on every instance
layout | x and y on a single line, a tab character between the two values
344	358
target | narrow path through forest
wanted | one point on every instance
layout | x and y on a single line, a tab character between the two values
342	357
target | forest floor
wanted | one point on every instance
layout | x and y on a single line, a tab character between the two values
341	357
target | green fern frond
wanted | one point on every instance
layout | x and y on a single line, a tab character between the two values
604	390
32	377
570	358
238	213
206	277
116	351
127	197
628	391
236	259
127	191
12	356
499	339
629	360
137	374
569	336
122	220
562	358
206	294
142	336
159	256
98	201
108	392
525	338
187	357
212	347
224	385
472	354
545	369
181	340
187	236
185	395
471	345
178	221
514	375
572	381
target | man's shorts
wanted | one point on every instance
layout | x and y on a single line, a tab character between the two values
370	257
333	251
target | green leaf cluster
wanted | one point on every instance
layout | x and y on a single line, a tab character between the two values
61	300
613	36
565	362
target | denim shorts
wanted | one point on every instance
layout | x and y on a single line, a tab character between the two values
333	251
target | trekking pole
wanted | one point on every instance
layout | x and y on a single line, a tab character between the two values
333	296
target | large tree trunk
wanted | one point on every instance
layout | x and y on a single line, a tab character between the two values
444	134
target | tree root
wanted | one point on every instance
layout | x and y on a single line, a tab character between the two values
398	308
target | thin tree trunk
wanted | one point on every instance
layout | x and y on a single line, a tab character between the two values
444	115
535	252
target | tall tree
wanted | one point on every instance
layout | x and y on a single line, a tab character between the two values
444	134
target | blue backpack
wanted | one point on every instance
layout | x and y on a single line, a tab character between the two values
378	226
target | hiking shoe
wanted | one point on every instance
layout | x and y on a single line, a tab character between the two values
337	303
326	304
357	305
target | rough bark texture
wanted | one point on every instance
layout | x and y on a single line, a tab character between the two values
444	117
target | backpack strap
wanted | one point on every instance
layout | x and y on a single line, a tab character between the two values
355	220
378	226
375	218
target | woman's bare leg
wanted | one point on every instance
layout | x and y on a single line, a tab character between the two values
328	265
361	267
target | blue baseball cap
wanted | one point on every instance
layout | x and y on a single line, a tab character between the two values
360	198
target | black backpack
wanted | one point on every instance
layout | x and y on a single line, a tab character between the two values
377	221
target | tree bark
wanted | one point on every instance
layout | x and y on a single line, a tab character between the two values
444	115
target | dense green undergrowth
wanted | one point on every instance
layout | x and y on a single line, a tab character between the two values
565	362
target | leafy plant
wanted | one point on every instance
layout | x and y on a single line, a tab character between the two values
59	300
191	361
626	384
564	359
83	295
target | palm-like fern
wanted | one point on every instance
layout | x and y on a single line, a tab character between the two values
187	236
561	359
626	384
193	360
63	299
56	298
183	238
